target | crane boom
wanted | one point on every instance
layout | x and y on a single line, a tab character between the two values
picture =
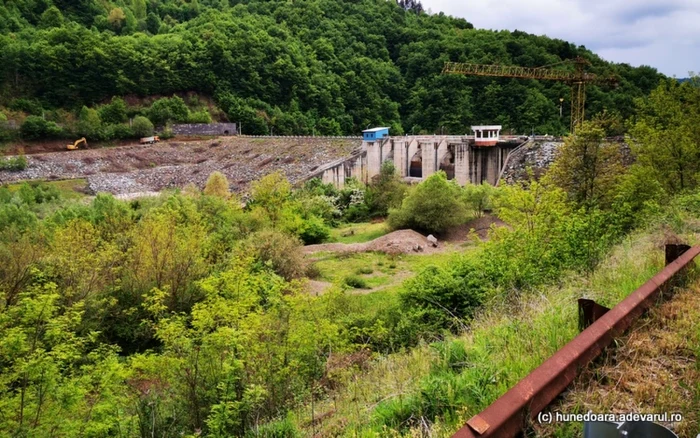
577	79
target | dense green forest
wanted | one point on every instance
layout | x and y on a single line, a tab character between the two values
302	67
188	314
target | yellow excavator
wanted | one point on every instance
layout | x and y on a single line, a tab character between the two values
74	146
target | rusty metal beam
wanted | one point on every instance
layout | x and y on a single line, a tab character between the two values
508	415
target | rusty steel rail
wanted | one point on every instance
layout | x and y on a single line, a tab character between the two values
509	414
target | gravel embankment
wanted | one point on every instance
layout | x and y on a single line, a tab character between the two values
151	168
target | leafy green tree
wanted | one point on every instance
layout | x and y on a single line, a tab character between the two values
167	110
666	136
142	126
115	112
386	190
153	23
35	128
271	194
433	206
90	124
52	17
478	197
587	167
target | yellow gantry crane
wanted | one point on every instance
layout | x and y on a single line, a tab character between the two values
577	79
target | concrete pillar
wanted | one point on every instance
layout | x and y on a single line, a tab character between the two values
462	163
374	157
400	152
429	158
492	165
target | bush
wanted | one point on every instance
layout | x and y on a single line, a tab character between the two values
166	133
313	230
444	296
14	163
202	116
433	206
35	128
30	106
355	282
90	124
142	127
217	185
118	132
168	110
279	251
115	112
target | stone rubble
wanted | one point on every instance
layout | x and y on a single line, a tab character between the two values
167	165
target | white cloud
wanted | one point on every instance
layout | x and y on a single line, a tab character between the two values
662	33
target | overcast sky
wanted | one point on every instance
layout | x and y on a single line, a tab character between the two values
664	34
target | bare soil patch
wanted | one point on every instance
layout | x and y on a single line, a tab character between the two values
481	227
397	242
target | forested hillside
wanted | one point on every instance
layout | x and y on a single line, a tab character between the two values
320	66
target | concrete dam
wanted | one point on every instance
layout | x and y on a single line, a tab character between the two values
475	159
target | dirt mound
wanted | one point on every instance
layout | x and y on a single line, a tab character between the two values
481	227
398	242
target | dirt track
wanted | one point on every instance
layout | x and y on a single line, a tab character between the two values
146	168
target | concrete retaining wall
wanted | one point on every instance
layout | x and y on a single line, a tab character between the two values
205	129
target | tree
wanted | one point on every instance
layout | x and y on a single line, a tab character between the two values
271	193
153	23
89	124
142	126
588	168
433	206
35	128
52	17
114	112
116	18
217	185
139	8
666	136
386	190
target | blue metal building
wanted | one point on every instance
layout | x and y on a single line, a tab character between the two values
375	134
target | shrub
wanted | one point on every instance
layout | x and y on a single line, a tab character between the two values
35	128
279	251
217	185
30	106
433	206
90	124
142	127
477	197
115	112
168	110
313	230
14	163
365	270
202	116
355	282
166	133
118	132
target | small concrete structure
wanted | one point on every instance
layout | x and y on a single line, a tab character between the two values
217	129
486	135
375	134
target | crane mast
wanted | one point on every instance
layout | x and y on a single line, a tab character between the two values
576	79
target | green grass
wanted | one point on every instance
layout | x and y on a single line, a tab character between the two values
506	341
69	188
358	233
